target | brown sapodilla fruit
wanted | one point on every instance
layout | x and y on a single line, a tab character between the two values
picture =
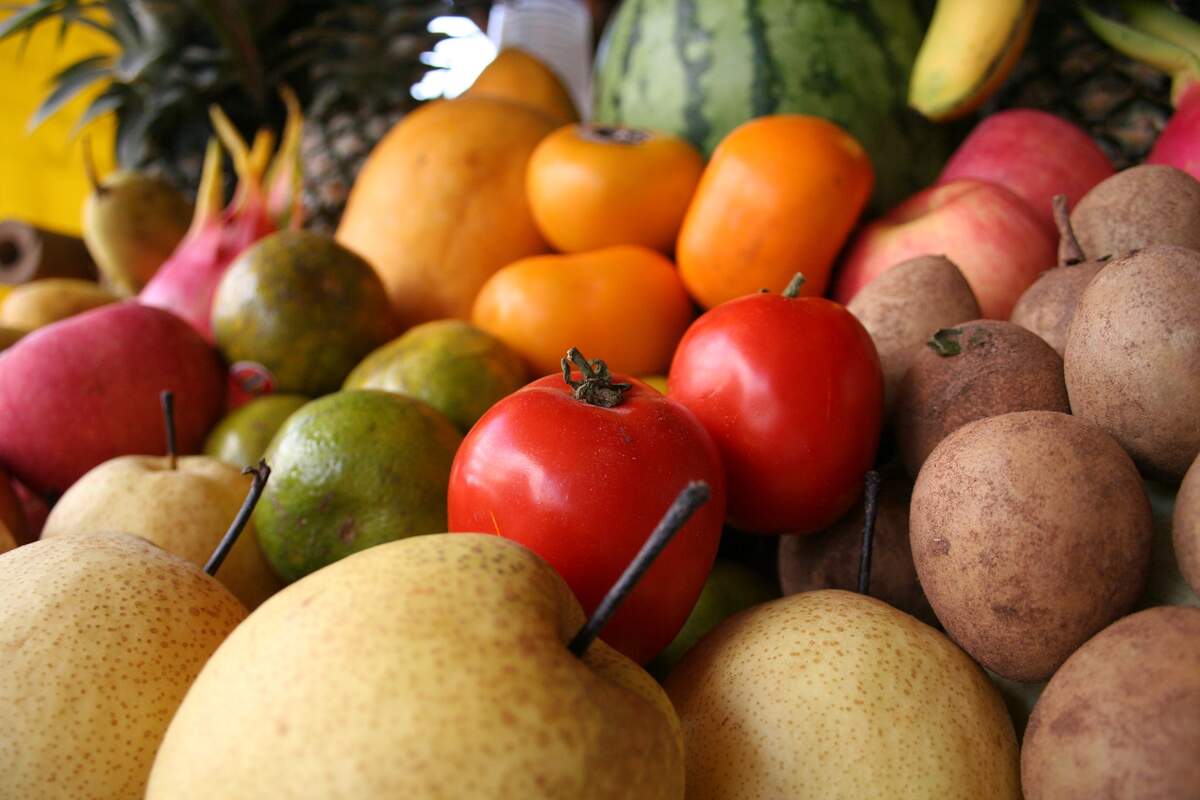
1121	718
1030	532
1138	207
1185	530
903	307
830	558
1132	359
1048	306
978	369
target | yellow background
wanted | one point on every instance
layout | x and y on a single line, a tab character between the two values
42	179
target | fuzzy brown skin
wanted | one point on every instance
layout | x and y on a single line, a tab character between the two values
1132	359
904	306
829	559
1030	532
1001	368
1139	207
1185	529
1048	306
1121	719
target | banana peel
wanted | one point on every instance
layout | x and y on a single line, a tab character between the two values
970	48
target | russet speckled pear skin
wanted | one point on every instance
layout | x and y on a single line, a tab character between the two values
830	694
100	637
185	511
430	667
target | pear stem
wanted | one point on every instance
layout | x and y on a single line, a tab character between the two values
1070	252
870	511
89	166
694	495
260	473
167	398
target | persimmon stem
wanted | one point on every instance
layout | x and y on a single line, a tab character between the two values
595	385
870	512
260	473
686	503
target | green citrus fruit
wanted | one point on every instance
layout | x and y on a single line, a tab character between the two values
450	364
242	436
304	307
730	588
350	471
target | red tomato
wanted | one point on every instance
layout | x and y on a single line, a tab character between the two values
583	486
790	389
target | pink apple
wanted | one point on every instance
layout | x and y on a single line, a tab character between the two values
84	390
1033	154
991	234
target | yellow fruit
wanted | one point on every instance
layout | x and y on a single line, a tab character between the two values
101	637
831	694
185	511
42	302
520	77
465	159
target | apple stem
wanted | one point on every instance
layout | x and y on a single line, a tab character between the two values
870	511
167	398
793	287
595	385
688	501
1070	252
260	473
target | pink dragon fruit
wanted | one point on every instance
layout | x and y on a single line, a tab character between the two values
187	280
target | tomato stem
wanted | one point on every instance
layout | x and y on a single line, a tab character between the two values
260	473
686	503
167	399
1069	250
595	386
793	287
870	511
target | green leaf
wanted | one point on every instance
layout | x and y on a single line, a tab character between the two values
110	100
65	90
28	18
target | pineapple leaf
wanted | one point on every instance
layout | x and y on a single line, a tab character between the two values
28	17
111	99
228	21
69	83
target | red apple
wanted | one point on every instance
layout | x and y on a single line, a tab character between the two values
84	390
1033	154
992	235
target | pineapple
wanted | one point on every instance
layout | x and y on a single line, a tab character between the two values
1068	71
351	63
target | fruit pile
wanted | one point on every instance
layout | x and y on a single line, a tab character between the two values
494	492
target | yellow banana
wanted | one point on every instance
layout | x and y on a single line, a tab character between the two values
968	51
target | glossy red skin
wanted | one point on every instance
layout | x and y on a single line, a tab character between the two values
792	393
584	486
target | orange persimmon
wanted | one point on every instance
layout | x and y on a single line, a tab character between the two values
625	304
593	186
779	196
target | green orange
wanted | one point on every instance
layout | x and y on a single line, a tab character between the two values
242	436
304	307
349	471
453	366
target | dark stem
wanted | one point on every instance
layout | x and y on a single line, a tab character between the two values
595	385
167	398
793	287
260	473
870	511
1069	250
694	495
89	166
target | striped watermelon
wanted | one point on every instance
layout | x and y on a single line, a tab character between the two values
699	68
